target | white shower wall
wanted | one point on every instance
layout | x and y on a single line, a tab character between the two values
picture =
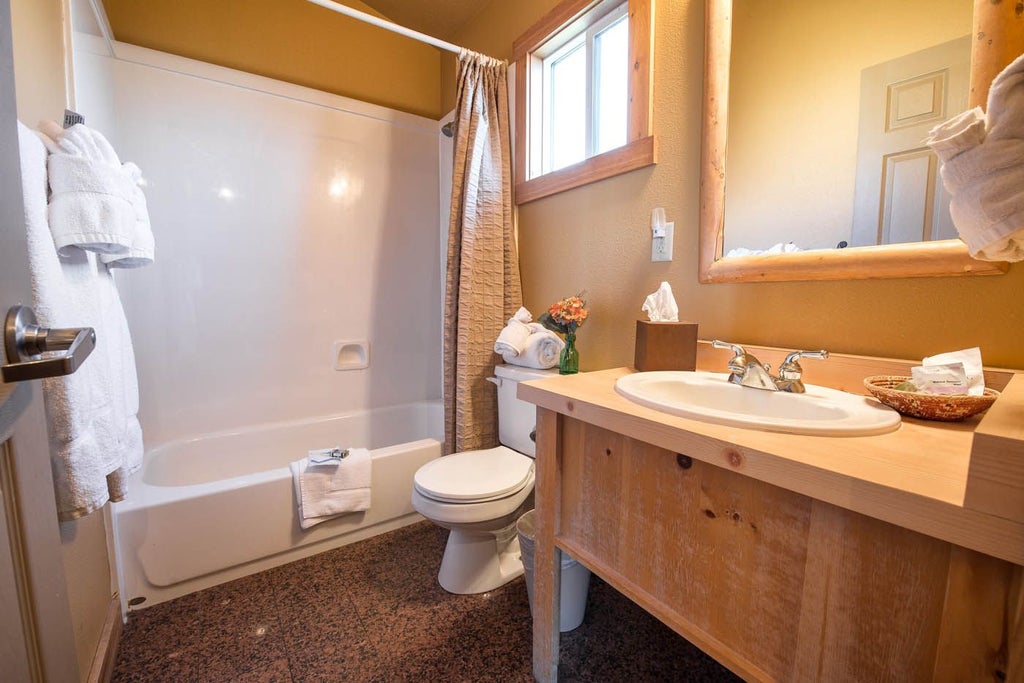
286	219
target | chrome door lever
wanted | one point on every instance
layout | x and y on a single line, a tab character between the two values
25	342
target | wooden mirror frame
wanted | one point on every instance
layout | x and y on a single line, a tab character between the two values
916	259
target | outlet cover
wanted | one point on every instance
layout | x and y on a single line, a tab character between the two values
661	247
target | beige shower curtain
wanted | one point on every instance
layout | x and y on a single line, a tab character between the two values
483	288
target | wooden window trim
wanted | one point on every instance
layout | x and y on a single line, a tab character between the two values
639	151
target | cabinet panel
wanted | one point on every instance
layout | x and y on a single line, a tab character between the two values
777	585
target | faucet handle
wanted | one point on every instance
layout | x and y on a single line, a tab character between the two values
735	348
790	368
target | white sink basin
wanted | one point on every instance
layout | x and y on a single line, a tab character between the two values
709	397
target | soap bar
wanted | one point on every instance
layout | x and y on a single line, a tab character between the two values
665	346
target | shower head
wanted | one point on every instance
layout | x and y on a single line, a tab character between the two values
448	129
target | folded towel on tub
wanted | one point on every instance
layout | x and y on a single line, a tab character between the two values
331	489
542	349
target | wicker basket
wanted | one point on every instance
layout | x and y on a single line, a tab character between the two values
943	407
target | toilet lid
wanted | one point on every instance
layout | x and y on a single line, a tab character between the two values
474	475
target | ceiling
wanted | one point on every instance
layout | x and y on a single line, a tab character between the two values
438	18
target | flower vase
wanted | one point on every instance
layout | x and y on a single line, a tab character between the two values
569	361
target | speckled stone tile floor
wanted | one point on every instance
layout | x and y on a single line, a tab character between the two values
373	611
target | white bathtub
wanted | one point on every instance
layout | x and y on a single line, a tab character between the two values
211	509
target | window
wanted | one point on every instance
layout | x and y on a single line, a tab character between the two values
582	114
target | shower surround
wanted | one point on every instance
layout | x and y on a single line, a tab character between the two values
290	223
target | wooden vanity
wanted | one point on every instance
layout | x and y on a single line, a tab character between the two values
793	558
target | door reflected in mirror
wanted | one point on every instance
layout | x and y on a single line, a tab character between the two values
829	106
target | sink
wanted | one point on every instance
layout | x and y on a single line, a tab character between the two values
709	397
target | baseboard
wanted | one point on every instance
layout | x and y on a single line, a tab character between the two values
106	651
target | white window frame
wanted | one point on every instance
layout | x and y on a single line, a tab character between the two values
548	57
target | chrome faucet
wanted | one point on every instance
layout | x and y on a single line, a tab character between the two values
747	371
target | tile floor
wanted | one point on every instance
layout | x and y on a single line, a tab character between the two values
372	611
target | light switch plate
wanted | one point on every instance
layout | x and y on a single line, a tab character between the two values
661	247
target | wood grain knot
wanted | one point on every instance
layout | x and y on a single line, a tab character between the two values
734	457
710	514
570	406
607	451
684	461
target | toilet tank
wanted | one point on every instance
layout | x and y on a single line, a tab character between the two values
517	419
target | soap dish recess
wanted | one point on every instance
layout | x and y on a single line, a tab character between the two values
942	407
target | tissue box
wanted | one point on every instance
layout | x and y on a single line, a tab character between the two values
665	346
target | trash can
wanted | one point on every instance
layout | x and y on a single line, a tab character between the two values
575	577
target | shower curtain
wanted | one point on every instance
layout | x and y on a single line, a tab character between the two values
482	289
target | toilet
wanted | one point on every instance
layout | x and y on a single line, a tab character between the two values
479	495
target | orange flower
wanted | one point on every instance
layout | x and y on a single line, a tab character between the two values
566	315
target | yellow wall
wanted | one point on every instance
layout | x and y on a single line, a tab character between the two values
38	60
597	238
290	40
41	93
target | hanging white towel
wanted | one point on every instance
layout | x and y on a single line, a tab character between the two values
95	437
94	202
542	350
512	338
325	491
983	169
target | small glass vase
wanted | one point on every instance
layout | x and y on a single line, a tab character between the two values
569	361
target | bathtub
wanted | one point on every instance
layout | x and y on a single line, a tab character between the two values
221	506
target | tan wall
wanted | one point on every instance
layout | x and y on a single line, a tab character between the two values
290	40
38	60
41	93
491	32
597	238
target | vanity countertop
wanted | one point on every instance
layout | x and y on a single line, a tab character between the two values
916	477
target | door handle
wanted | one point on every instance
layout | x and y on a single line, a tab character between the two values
25	342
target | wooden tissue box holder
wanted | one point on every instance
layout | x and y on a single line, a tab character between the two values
665	346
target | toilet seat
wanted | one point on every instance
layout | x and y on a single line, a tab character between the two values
475	476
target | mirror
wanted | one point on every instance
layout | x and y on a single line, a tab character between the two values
820	187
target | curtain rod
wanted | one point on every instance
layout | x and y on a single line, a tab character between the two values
384	24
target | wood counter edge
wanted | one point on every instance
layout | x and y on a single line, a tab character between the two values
758	455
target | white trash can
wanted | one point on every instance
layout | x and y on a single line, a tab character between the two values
575	577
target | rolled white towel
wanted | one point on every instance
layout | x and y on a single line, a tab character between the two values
143	247
963	132
512	338
542	350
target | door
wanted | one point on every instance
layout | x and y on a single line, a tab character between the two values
36	637
899	196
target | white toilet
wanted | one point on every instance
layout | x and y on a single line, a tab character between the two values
479	495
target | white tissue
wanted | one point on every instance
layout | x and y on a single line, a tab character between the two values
971	359
661	305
